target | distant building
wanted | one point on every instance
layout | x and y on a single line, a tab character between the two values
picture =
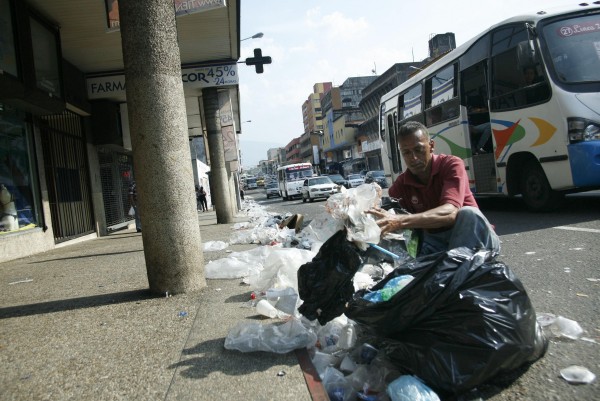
394	76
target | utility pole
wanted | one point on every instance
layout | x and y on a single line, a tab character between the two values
161	154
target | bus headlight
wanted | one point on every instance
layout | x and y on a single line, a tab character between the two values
583	130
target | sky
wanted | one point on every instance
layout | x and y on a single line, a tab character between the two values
314	41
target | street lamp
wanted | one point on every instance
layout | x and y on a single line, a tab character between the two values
239	129
255	36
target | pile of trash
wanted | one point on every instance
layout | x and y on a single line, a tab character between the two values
378	323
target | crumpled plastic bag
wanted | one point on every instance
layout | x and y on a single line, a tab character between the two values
278	338
350	206
280	269
464	318
214	246
410	388
238	264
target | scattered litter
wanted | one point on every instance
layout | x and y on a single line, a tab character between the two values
577	375
575	249
545	319
217	289
593	280
265	308
281	373
567	270
410	388
580	294
214	246
324	270
250	336
182	314
529	253
27	280
589	340
563	327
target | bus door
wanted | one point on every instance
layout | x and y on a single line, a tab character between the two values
475	99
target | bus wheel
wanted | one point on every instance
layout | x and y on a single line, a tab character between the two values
537	193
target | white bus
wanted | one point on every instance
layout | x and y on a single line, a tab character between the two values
519	103
291	177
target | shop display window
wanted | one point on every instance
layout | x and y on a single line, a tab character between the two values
19	208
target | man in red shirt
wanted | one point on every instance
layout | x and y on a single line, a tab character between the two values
435	190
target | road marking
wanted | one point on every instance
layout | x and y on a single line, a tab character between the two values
587	230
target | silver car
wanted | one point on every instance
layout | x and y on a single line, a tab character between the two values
272	189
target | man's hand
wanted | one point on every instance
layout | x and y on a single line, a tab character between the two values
387	221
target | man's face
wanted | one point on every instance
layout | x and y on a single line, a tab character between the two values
416	151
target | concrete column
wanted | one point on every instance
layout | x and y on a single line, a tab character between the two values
161	154
219	179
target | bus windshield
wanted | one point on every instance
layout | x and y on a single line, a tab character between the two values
574	46
298	174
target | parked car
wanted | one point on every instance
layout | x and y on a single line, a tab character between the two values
317	187
355	180
339	180
272	189
260	181
377	176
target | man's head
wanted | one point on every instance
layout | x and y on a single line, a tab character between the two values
416	148
529	75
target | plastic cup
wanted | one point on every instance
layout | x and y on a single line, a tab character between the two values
368	353
264	307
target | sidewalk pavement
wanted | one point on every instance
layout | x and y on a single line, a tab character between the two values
79	323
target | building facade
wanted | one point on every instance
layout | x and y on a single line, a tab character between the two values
65	150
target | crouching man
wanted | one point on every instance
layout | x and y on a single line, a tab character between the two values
435	190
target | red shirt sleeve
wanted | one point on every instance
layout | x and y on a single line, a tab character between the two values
455	184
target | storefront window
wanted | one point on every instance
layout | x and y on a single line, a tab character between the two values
18	205
45	58
8	56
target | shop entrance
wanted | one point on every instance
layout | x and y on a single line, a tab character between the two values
66	169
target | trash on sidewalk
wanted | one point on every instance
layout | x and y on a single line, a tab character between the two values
214	246
563	327
410	388
453	319
577	375
26	280
280	338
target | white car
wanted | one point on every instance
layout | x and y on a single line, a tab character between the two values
317	187
355	180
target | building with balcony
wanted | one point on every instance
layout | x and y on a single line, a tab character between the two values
292	152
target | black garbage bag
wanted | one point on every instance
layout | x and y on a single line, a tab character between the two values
325	283
463	319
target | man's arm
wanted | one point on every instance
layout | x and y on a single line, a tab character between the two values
439	217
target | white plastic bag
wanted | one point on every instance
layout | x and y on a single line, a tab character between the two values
214	246
278	338
131	211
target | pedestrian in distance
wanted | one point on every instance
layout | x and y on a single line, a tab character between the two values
202	198
434	189
133	201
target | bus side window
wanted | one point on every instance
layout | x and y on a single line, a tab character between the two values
410	105
441	96
512	80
